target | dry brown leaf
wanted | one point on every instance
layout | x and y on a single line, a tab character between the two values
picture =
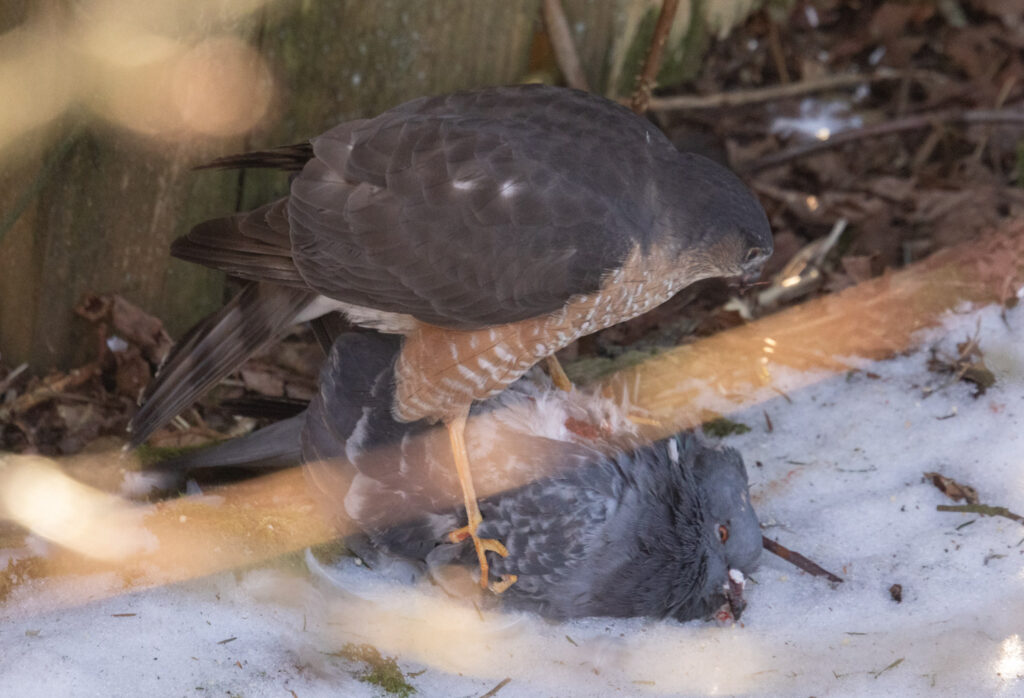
132	372
892	188
263	379
953	489
891	19
968	365
140	328
857	267
129	322
1009	12
978	51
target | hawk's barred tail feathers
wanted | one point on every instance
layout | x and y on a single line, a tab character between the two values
289	158
213	348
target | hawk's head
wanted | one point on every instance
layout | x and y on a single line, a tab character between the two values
713	221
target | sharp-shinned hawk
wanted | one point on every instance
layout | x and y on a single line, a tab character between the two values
489	228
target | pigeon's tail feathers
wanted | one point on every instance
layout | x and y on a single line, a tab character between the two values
215	347
272	447
254	245
290	158
328	327
351	412
273	408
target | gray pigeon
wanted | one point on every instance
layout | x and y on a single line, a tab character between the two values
603	525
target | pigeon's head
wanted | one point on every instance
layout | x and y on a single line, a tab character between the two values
730	534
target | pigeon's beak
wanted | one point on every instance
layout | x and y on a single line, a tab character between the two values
732	609
734	593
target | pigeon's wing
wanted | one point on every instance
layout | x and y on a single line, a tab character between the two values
476	208
349	424
616	535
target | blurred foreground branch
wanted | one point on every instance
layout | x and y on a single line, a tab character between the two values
247	523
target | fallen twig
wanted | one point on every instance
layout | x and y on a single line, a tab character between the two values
566	57
11	377
738	98
1014	114
778	55
645	83
983	509
895	664
51	388
494	691
797	559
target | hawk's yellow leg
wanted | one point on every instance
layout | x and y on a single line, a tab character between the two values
456	433
557	374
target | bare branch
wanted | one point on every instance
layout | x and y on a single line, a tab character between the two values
644	85
738	98
561	41
797	559
1013	114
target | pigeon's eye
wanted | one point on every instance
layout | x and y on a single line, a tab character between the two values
752	254
723	532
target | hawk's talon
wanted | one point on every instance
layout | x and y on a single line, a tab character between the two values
502	585
482	547
491	545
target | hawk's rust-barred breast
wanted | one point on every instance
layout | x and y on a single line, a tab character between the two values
490	228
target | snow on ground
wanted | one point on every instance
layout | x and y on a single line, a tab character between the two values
839	478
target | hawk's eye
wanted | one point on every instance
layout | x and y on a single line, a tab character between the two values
723	532
753	253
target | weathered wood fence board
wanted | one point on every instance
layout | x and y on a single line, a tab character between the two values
97	206
87	206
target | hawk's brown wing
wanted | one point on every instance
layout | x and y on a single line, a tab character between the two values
477	208
468	210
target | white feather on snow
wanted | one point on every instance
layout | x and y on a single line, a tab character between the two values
840	480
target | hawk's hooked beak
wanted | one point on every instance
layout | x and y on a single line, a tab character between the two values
753	265
746	280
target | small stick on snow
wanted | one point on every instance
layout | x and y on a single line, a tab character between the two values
797	559
983	509
494	691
